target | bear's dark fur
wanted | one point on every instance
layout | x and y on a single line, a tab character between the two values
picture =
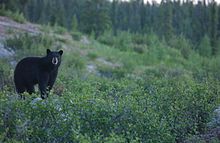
37	70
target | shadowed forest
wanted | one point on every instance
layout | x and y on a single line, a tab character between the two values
198	23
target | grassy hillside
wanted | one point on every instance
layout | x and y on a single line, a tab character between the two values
128	88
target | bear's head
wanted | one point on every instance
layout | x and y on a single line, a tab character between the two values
54	57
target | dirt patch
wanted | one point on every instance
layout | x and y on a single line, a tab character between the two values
108	63
7	25
85	40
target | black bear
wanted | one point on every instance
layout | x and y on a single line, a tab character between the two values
37	70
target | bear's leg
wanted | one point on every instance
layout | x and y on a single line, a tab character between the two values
51	81
43	81
20	89
43	91
30	89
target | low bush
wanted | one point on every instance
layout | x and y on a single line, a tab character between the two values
92	56
103	110
59	29
181	44
76	35
5	75
16	16
26	44
122	41
139	48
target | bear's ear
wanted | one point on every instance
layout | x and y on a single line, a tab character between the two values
48	51
60	52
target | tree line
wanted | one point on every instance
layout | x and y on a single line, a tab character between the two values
198	22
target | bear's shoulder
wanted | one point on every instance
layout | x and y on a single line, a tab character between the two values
28	62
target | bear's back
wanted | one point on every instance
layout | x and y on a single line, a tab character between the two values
28	62
27	66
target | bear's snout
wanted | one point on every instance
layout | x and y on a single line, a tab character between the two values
55	60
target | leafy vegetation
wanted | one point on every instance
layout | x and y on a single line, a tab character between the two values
157	95
16	16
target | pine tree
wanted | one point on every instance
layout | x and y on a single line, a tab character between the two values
95	17
167	18
59	14
113	16
74	23
142	15
214	27
134	16
205	48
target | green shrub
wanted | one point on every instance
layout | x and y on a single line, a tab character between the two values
139	39
147	109
76	35
25	43
122	41
92	56
107	38
16	16
111	72
213	67
59	29
204	47
5	75
73	65
182	44
139	48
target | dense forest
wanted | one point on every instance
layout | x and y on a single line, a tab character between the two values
199	23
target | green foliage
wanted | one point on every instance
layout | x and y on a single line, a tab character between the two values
122	41
213	67
74	24
16	16
92	56
166	19
182	44
99	110
59	29
114	73
205	48
95	17
5	74
214	27
32	44
74	65
76	35
139	48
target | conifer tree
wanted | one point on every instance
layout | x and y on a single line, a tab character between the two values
167	18
95	17
205	48
214	27
74	24
114	16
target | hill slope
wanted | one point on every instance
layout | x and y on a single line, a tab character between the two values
128	88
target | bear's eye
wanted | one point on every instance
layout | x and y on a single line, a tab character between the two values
55	60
